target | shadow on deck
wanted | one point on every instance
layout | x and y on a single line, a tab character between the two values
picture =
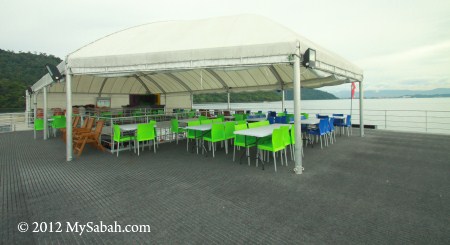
387	187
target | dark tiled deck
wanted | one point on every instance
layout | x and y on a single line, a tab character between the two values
384	188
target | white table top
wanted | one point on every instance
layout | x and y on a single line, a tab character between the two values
203	127
130	127
187	120
258	119
228	117
309	121
260	131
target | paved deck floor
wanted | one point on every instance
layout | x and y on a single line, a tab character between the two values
385	188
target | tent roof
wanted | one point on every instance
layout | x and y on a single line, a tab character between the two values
233	53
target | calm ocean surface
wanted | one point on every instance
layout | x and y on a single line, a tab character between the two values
409	114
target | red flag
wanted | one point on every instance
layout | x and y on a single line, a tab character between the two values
353	90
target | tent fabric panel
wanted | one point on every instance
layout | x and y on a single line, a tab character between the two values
226	78
145	77
169	85
96	85
197	80
109	84
263	76
286	72
164	42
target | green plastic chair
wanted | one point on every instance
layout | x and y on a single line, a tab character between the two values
58	123
217	134
293	144
153	123
208	121
119	138
275	145
238	117
175	129
201	118
241	122
191	134
286	140
221	117
253	125
264	123
217	120
191	114
229	133
243	141
145	132
39	124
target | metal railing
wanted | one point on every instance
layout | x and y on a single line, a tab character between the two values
427	121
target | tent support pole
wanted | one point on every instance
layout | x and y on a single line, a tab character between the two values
69	151
192	101
45	113
229	106
361	109
282	100
35	111
297	113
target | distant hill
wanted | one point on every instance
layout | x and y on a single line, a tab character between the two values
19	71
306	94
438	92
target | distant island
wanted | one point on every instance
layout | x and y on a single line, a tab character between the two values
378	94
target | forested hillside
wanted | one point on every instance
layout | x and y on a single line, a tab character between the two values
307	94
17	72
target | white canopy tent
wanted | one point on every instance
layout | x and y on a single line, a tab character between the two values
225	54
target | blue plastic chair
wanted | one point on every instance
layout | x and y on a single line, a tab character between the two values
348	125
271	120
322	130
332	131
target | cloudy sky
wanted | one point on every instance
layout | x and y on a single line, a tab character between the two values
401	44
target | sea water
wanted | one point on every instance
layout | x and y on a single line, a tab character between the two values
410	114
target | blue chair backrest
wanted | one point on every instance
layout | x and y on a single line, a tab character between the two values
271	120
272	113
331	124
322	116
349	121
278	120
338	115
323	126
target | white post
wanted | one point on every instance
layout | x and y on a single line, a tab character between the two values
192	101
282	100
361	109
35	111
27	107
68	114
229	106
297	113
45	113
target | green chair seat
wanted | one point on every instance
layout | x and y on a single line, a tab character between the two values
217	134
275	145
